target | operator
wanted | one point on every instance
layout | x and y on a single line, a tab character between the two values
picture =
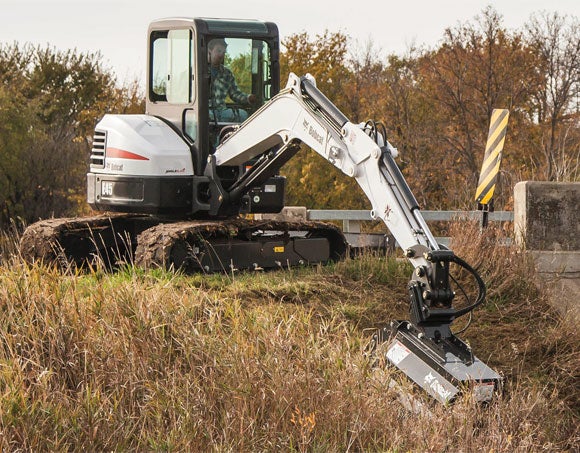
222	84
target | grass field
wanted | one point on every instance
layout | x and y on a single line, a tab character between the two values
157	361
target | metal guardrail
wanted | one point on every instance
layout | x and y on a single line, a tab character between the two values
351	219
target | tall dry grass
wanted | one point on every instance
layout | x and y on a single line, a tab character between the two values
155	361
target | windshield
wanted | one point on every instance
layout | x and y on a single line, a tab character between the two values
240	77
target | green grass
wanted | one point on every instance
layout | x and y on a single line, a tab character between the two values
158	361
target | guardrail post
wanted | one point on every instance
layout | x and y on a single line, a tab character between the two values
351	226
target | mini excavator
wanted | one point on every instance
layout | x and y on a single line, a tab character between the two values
174	181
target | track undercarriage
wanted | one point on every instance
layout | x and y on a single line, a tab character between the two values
190	246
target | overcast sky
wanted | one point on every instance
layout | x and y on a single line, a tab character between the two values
118	28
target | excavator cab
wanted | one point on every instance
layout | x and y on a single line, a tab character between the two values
204	100
156	163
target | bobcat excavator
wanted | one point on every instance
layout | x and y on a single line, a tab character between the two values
174	181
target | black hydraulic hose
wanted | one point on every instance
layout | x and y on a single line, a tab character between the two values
481	285
467	299
373	129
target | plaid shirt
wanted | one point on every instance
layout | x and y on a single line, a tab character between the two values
222	84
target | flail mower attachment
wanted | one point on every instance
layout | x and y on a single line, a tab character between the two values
443	369
425	349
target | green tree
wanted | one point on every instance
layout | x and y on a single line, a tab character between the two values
241	67
20	131
51	101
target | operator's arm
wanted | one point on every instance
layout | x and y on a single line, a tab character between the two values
234	92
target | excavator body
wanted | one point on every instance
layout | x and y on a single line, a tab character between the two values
152	167
217	129
155	163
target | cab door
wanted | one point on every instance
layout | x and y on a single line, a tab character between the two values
171	92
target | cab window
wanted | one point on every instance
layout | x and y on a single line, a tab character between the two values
170	72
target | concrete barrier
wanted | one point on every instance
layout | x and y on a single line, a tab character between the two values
547	225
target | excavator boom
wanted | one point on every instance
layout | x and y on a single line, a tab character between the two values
425	348
301	113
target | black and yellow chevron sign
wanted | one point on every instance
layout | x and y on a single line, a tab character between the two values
492	159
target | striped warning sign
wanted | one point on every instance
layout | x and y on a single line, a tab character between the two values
492	159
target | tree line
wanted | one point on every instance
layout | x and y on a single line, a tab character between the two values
50	101
435	104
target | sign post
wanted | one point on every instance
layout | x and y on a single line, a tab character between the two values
491	163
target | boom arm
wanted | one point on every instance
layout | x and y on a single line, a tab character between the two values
425	349
301	113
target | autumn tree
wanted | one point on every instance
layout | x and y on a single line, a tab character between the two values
365	92
478	67
410	120
312	181
435	105
555	39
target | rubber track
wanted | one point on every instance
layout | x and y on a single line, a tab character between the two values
170	245
77	240
150	243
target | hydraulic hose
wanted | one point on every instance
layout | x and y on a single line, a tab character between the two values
481	286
